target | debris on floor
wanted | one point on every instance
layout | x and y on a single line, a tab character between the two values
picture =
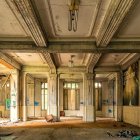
123	134
126	134
49	118
109	134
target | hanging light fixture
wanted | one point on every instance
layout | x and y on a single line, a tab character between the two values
73	14
71	62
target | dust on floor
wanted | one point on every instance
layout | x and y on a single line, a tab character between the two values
67	130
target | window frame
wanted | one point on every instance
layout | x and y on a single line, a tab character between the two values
44	95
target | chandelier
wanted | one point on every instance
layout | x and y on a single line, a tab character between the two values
73	14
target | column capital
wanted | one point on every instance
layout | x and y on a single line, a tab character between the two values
89	76
14	71
118	74
52	76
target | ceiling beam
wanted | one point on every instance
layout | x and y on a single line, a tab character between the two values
113	47
78	70
117	11
24	12
35	69
104	69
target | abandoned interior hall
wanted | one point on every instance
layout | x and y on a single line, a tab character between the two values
70	60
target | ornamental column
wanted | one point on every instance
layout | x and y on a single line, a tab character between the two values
24	97
14	107
53	96
119	96
89	97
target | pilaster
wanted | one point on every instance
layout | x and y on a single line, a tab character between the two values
24	97
119	97
53	96
58	97
89	97
14	108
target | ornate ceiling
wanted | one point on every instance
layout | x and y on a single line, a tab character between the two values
34	33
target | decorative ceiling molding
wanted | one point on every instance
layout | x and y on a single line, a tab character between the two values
56	28
104	69
48	58
72	70
7	65
126	58
9	61
71	76
132	58
93	61
15	39
35	69
25	14
111	76
117	11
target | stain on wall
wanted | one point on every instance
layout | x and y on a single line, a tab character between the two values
131	91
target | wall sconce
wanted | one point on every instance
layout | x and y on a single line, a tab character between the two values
73	14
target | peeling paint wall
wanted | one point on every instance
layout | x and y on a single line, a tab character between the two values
4	98
108	99
30	97
37	101
131	108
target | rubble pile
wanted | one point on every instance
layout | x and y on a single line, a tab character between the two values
123	134
126	134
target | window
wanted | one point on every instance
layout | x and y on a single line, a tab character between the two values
44	92
98	96
71	96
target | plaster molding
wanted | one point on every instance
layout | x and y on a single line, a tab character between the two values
92	62
132	58
16	39
34	69
71	76
55	26
78	70
49	61
53	76
90	76
10	61
111	76
104	69
117	11
127	58
25	14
